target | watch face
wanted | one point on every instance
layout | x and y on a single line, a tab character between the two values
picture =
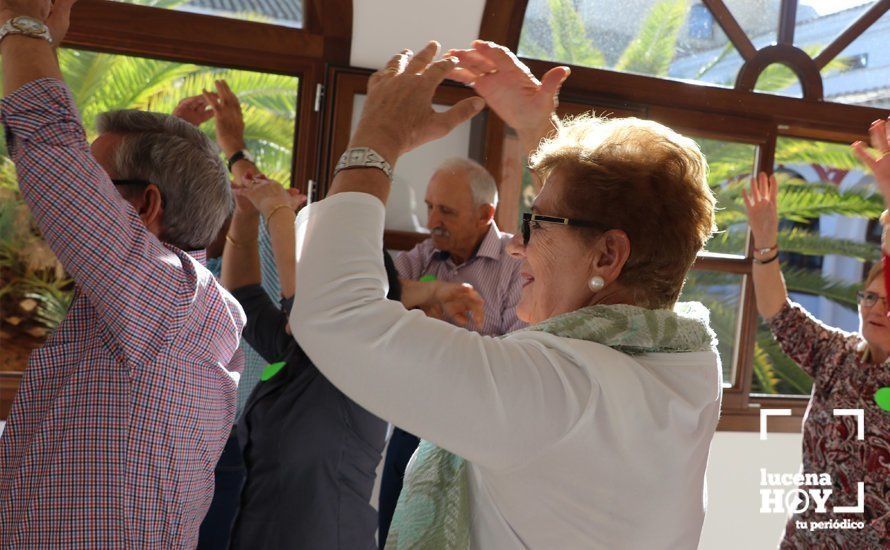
28	24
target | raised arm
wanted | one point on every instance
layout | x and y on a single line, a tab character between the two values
879	134
763	218
138	286
277	205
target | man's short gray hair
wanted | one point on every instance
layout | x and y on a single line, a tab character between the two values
482	184
185	165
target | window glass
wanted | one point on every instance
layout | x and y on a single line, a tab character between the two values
826	207
720	293
665	38
288	13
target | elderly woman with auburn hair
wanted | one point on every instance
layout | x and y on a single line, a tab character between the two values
849	371
589	429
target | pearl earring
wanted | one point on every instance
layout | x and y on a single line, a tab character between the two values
596	283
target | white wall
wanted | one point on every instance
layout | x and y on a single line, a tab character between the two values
733	520
382	28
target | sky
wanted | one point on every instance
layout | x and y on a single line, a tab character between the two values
824	7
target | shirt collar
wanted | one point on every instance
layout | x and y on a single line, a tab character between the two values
199	255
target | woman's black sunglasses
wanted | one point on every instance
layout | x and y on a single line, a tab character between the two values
528	218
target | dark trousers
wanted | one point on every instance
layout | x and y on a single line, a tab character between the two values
229	478
401	446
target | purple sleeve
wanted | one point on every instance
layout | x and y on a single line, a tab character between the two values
410	262
509	320
142	290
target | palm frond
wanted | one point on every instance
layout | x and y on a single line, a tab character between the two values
571	42
812	282
653	48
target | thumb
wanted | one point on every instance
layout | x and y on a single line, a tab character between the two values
461	112
58	19
552	80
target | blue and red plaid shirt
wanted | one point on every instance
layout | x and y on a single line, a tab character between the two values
122	414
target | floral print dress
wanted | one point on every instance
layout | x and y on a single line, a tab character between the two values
843	378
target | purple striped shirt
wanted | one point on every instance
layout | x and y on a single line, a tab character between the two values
492	272
122	414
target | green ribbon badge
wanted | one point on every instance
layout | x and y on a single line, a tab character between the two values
271	370
882	398
428	278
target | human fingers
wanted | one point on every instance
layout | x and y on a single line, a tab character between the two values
212	101
878	134
553	79
464	76
502	58
462	111
862	153
474	61
222	88
419	62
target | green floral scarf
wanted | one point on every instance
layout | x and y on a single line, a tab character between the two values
433	511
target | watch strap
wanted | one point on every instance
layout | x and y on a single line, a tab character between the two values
363	157
239	155
25	25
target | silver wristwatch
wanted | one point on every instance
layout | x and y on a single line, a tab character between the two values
363	157
28	26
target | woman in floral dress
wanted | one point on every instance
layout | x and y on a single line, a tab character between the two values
847	369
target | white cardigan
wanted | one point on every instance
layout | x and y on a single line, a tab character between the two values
570	444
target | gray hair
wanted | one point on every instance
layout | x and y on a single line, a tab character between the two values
482	184
185	165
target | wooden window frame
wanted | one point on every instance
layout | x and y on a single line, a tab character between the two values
738	114
129	29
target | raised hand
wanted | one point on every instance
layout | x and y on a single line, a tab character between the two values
58	20
229	120
398	115
194	110
267	195
510	89
880	164
762	206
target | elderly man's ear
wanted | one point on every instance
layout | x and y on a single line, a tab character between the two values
487	213
149	205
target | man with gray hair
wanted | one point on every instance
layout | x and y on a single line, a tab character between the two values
121	416
465	246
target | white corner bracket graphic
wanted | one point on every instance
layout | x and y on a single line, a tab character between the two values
765	413
859	508
860	420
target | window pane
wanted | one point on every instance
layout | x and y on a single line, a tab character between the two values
826	202
288	13
859	75
34	290
720	293
666	38
731	165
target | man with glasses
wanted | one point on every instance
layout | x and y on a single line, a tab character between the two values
465	246
121	416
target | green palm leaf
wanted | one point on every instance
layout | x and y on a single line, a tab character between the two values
655	45
813	282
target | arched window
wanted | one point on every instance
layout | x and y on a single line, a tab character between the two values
762	85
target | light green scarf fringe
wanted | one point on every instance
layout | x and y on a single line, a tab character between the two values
433	511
